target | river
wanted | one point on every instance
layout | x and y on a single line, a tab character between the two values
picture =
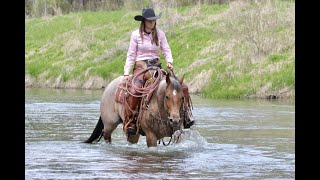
231	139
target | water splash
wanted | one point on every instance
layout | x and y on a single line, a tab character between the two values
189	139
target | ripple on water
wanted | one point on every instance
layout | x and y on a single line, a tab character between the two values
230	140
192	157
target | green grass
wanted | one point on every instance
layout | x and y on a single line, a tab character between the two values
81	45
283	77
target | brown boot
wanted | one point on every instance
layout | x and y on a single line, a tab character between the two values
131	126
188	123
133	105
187	120
187	107
134	101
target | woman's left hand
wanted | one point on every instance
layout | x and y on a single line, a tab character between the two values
170	66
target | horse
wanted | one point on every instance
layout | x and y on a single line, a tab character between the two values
158	118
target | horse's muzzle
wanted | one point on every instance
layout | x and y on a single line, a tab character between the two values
174	122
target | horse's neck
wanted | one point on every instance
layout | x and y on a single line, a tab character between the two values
157	100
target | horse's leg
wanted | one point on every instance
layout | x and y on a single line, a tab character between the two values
151	138
110	121
133	138
109	109
108	129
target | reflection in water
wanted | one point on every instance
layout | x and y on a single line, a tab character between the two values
245	139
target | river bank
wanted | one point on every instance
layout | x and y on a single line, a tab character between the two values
242	49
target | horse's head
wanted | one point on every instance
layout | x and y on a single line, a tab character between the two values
173	99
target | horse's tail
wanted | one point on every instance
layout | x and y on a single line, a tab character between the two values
97	132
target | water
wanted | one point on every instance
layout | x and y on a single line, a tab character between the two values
232	139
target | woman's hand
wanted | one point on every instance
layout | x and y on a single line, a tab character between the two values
125	77
170	66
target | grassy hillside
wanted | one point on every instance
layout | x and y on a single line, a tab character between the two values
240	49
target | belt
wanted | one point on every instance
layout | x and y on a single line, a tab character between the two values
152	62
149	62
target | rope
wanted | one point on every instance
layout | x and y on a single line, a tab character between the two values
144	90
175	139
168	142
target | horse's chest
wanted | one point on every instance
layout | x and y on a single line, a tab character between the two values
160	128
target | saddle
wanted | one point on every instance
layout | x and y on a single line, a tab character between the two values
151	81
121	92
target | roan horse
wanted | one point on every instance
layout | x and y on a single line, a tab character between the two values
158	118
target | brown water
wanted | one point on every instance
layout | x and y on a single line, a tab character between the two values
232	139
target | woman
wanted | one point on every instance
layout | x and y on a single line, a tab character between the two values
143	50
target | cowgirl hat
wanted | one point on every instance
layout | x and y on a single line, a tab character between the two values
147	14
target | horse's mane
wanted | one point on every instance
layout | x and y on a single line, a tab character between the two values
175	81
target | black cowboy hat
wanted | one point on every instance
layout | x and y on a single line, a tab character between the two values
147	14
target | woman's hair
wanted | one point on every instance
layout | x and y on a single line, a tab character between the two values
155	38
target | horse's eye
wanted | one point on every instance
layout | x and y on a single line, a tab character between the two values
167	97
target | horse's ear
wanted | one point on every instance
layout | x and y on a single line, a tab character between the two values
168	78
170	73
181	79
165	72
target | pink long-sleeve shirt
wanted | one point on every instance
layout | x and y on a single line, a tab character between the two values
139	51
